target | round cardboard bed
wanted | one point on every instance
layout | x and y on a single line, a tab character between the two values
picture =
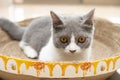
105	59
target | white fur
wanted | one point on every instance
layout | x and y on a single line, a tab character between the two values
22	44
51	53
28	50
72	46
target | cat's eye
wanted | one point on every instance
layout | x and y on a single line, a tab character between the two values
81	39
64	39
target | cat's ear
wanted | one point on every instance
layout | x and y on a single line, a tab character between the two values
56	20
89	17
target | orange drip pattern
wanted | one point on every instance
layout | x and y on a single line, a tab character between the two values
40	65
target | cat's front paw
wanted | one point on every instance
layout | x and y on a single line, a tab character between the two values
30	52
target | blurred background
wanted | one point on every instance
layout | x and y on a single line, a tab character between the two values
17	10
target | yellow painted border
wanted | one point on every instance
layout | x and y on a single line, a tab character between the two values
39	65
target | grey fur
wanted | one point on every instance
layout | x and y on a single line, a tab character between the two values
15	31
38	33
76	25
73	26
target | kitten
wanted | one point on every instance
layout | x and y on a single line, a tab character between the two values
66	38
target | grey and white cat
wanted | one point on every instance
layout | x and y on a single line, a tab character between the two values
55	38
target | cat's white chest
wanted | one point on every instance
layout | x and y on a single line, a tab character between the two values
49	52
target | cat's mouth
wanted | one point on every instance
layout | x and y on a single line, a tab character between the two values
75	51
72	52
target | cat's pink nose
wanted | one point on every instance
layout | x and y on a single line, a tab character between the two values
72	51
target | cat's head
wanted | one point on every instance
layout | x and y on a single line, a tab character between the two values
73	34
